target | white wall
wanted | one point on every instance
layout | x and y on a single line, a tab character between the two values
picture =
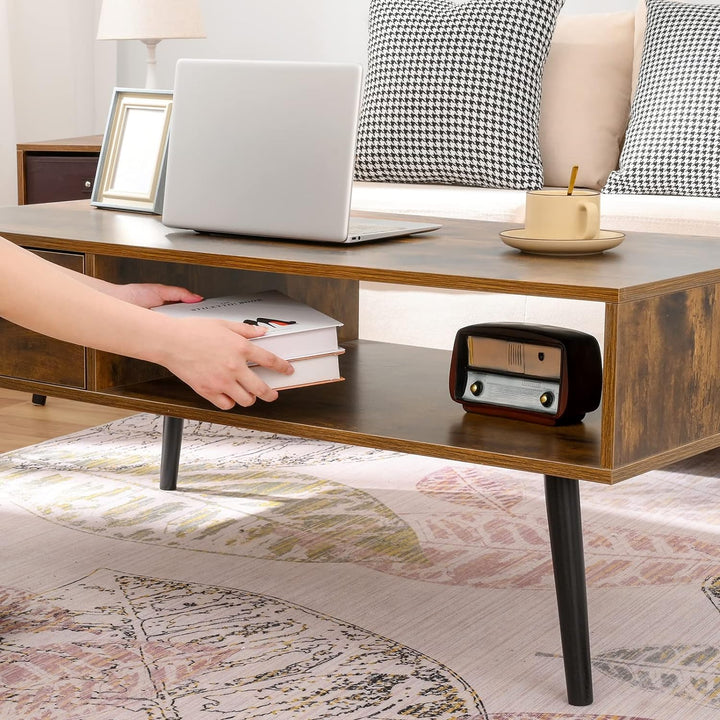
62	78
271	30
7	117
57	67
280	30
56	80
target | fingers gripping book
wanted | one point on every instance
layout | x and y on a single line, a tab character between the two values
294	331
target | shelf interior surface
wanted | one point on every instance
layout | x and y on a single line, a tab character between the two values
396	397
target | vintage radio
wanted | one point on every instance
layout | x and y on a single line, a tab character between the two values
545	374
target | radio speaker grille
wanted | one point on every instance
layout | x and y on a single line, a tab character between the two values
515	357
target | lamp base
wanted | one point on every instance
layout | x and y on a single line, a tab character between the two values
150	74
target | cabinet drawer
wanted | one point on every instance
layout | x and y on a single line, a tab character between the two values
55	178
30	356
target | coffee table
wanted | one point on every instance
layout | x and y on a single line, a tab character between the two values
661	375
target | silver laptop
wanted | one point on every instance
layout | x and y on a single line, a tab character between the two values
267	149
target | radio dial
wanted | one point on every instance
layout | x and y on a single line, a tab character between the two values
547	399
476	388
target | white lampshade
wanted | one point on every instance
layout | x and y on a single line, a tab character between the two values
150	20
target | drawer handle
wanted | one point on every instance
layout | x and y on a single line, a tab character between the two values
88	184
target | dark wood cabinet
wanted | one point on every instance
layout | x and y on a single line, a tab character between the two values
50	171
57	170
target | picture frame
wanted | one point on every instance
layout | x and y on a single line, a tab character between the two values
131	166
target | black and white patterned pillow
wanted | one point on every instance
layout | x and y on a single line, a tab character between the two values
672	145
452	92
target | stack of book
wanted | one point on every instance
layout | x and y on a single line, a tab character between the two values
295	331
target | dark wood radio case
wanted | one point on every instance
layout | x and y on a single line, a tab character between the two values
574	361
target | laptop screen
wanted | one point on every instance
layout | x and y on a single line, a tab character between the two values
262	148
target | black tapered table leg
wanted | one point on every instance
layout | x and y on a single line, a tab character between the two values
170	458
38	399
562	497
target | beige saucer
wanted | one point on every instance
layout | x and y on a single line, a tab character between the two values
519	239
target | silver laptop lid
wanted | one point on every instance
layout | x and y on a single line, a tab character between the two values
262	148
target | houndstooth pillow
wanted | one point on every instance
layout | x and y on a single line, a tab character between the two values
452	93
672	145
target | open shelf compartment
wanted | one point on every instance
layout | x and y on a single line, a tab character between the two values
395	397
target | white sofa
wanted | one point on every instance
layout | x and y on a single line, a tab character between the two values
581	123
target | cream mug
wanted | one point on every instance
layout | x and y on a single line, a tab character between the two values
555	215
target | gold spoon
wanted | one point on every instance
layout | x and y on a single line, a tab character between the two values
573	175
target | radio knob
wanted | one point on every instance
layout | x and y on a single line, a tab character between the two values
476	388
547	399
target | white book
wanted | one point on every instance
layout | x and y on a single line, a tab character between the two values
308	371
294	330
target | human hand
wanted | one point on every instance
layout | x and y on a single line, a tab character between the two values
212	357
149	295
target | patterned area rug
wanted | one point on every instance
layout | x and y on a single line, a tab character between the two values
290	578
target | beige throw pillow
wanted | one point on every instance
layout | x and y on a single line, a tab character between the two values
640	25
586	97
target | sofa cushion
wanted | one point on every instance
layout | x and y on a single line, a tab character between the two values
452	92
586	97
450	201
671	145
677	215
640	213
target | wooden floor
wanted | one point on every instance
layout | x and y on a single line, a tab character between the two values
22	423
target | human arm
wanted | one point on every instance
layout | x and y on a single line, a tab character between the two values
145	295
209	355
